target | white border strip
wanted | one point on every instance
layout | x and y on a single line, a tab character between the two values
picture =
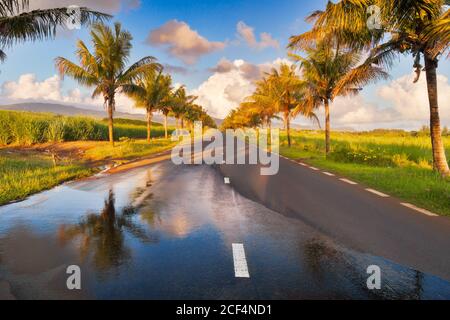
348	181
328	174
378	193
314	168
240	262
413	207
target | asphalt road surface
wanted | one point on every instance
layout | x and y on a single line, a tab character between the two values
181	232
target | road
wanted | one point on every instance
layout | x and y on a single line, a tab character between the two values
176	232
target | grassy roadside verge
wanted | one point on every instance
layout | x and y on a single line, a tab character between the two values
406	175
25	171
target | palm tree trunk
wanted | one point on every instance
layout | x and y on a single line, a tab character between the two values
182	123
287	124
327	127
111	123
165	126
149	125
439	159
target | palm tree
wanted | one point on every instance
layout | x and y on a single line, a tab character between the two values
18	24
286	89
262	103
181	101
420	28
153	94
330	73
105	69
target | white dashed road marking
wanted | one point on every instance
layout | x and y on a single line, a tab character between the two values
348	181
378	193
328	174
426	212
240	262
313	168
226	180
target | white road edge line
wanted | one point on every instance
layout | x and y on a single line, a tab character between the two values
240	262
313	168
348	181
413	207
303	164
378	193
328	174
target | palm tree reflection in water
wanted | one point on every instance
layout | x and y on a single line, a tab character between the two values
102	236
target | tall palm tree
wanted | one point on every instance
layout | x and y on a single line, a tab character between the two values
181	101
286	89
18	24
262	102
418	27
153	93
105	68
330	73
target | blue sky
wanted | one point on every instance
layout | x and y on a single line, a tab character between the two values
215	22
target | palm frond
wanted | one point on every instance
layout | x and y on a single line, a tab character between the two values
39	24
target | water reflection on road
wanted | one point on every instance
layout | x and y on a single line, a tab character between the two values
165	232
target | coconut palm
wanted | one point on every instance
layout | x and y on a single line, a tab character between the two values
181	101
19	24
153	94
262	103
105	68
285	89
330	73
418	27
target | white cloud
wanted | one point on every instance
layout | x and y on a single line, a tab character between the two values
231	82
247	34
183	42
399	104
29	88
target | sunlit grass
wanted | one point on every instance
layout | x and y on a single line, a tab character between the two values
21	175
400	165
128	149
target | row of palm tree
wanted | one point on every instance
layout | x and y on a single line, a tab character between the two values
105	69
419	28
331	62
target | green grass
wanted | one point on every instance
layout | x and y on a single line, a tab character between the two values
23	173
396	163
27	128
22	176
129	149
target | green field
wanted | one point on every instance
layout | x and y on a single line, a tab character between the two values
27	128
395	162
21	176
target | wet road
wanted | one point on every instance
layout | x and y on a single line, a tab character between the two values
166	232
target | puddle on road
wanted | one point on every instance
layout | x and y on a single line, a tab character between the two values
165	232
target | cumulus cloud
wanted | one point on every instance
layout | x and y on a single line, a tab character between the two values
182	42
247	34
107	6
230	83
29	88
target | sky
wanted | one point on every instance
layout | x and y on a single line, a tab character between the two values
217	49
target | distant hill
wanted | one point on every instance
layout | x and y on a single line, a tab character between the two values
67	110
